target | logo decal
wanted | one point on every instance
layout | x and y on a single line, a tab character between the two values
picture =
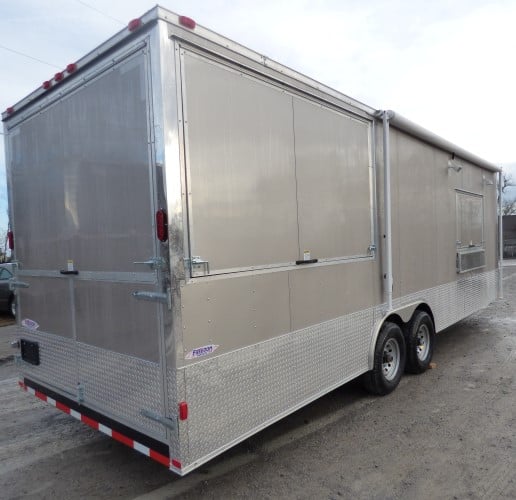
30	324
201	351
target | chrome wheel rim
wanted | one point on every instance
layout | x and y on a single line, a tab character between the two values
391	359
423	342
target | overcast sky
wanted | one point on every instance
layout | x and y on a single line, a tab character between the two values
448	65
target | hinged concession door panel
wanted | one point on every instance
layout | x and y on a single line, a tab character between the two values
334	182
241	173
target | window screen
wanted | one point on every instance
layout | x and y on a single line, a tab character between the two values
470	219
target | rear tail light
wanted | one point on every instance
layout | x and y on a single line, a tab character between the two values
161	225
10	240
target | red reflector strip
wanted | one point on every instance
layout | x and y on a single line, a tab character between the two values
123	439
62	407
89	421
162	459
187	22
40	395
158	457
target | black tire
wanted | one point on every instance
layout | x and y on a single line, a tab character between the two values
419	338
389	361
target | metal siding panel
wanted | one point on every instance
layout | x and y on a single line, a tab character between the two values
324	292
241	164
333	182
47	301
417	222
235	312
445	184
396	193
108	316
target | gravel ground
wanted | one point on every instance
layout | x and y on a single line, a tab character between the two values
449	433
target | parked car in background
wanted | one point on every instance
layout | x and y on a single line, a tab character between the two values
7	298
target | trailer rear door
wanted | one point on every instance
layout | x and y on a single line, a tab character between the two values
83	213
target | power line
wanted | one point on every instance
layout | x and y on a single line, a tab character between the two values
29	57
100	12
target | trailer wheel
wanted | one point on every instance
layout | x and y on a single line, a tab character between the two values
389	361
419	337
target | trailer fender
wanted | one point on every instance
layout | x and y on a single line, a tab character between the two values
400	316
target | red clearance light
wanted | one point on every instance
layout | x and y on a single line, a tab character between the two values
10	110
161	225
187	22
134	24
71	68
10	240
59	76
47	84
183	410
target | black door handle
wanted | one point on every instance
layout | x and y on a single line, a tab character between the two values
64	271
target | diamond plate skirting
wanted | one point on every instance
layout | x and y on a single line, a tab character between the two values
238	393
122	385
234	395
117	385
177	392
456	300
58	361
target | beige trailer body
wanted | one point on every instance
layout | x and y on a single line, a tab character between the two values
270	289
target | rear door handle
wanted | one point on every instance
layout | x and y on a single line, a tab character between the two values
64	271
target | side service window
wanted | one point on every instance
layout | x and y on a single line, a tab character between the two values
470	219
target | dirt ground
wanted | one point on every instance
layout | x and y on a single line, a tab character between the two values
449	433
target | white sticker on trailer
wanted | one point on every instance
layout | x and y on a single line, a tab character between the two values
199	352
30	324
